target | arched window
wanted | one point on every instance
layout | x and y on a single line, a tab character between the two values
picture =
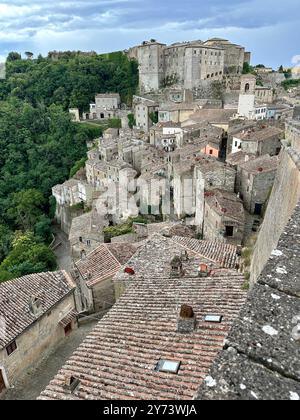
247	87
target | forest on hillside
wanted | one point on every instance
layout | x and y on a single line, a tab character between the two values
40	145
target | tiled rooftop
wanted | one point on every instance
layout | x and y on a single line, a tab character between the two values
239	157
218	252
105	261
258	133
264	163
16	295
118	359
155	255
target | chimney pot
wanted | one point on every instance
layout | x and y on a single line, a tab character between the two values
186	321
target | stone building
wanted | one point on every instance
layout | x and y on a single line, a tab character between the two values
106	106
94	272
255	179
145	111
259	140
246	106
187	64
264	94
234	55
176	113
224	217
87	232
184	64
278	112
36	313
216	117
210	174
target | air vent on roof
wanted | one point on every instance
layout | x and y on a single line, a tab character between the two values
129	270
213	318
71	383
168	366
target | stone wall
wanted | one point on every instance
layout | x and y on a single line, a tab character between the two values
283	200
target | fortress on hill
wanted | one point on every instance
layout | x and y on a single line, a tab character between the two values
187	64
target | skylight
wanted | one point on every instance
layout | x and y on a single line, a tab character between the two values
168	366
213	318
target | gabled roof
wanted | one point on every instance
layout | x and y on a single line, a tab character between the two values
219	252
15	297
118	359
105	261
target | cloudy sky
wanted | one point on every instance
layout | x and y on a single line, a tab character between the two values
269	28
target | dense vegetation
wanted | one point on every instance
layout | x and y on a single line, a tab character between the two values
291	83
41	147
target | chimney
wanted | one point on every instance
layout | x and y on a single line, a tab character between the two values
203	270
186	321
176	267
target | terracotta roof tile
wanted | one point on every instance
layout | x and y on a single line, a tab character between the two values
118	359
15	297
105	261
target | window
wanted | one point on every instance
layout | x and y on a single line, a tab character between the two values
168	366
211	152
229	230
11	348
213	318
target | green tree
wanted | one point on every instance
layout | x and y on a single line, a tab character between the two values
27	256
154	117
13	56
27	208
131	121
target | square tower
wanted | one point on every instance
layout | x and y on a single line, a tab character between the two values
151	65
246	106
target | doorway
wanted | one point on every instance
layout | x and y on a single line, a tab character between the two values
258	209
68	329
